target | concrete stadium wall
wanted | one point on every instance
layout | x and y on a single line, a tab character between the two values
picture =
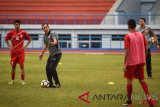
74	31
141	8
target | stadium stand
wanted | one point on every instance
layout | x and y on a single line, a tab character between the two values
80	24
61	11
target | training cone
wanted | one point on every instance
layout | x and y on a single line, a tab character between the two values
59	63
111	83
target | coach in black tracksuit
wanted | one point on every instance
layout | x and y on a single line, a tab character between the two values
51	42
148	32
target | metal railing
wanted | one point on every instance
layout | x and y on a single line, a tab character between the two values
77	19
108	42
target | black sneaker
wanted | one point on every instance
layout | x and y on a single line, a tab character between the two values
58	85
128	103
52	86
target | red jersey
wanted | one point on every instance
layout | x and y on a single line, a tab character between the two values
127	41
136	42
17	40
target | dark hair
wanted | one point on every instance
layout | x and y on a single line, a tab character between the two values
44	24
143	19
17	21
132	23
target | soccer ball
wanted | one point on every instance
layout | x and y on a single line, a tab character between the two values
151	40
45	83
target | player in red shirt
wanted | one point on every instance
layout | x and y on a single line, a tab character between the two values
134	61
17	48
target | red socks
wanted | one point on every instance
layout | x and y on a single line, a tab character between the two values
13	75
22	77
145	88
129	91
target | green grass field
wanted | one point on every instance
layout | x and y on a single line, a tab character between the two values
79	73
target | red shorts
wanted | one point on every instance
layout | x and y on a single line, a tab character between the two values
135	71
17	58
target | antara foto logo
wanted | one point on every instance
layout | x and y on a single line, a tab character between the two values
106	96
85	97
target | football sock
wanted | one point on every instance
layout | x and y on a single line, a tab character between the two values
13	75
22	77
129	91
145	88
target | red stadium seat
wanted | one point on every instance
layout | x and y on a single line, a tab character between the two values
54	11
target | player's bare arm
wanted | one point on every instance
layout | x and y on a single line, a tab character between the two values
125	59
8	44
156	39
29	41
41	54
